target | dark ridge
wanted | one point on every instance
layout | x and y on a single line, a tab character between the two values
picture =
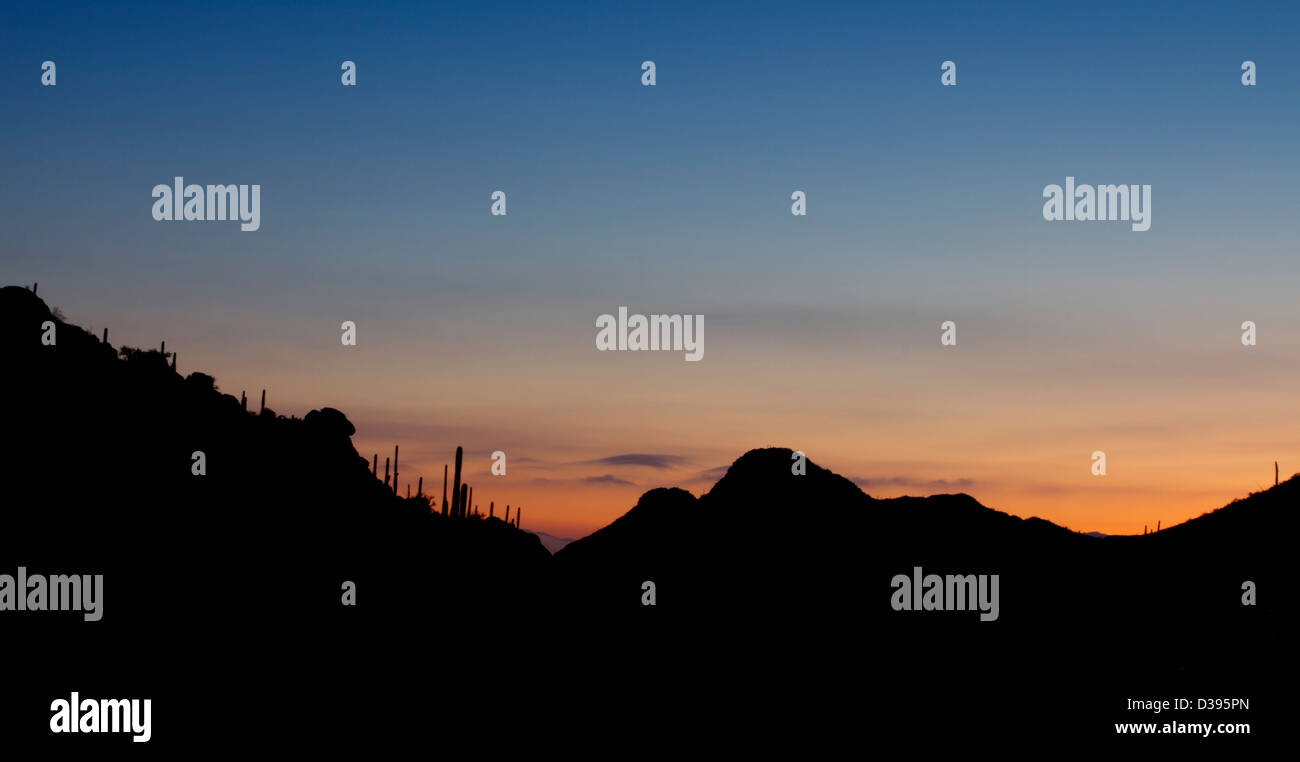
770	585
98	462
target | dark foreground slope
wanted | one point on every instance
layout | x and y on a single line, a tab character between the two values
772	617
98	468
228	585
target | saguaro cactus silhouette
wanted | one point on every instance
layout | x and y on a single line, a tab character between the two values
491	509
243	397
395	448
464	497
444	489
374	467
263	408
507	513
386	461
519	512
419	489
455	487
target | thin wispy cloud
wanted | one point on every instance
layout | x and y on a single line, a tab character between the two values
608	479
866	482
649	460
711	475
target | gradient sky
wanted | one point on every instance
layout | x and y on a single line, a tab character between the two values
821	332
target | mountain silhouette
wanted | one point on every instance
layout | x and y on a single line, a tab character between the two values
218	581
101	446
771	583
785	563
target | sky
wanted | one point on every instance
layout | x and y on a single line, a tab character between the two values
924	204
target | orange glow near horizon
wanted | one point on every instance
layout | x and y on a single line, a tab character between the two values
1189	418
573	507
572	492
1019	445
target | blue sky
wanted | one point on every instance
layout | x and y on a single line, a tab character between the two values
543	100
924	201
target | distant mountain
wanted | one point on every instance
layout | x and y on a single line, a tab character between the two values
793	540
814	547
551	542
767	562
